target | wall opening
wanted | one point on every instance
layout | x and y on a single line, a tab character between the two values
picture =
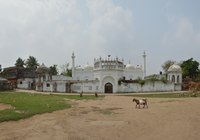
108	88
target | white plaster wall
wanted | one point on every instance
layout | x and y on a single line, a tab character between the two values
82	74
89	87
60	78
148	87
61	86
26	83
45	88
133	74
178	87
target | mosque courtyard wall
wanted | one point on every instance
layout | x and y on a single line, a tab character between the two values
153	86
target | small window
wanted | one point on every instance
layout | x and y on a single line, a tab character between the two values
21	82
48	85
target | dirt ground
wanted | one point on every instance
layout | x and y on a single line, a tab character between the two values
112	118
3	106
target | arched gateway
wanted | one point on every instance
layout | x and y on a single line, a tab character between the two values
108	88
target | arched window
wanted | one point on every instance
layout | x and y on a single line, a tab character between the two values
173	78
178	79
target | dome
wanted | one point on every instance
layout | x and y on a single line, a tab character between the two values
88	67
42	66
42	69
138	67
129	66
78	68
174	68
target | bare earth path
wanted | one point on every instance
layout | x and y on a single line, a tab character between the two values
113	118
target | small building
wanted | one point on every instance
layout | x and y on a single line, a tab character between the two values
43	78
174	75
27	79
20	77
12	74
5	84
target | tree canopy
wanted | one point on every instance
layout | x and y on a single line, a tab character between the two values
53	70
65	70
190	68
20	62
167	64
32	62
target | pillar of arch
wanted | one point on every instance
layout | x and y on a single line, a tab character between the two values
175	77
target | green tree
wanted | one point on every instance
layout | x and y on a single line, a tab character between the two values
69	72
167	64
32	62
190	68
20	62
53	70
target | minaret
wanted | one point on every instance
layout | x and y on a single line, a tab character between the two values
73	65
144	57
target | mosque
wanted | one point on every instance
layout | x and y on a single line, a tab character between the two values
105	73
108	75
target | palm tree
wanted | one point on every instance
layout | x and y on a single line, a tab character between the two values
19	62
32	62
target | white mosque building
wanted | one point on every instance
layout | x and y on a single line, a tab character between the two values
104	75
107	75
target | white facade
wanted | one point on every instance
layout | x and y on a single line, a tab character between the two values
174	74
25	83
106	73
107	76
149	86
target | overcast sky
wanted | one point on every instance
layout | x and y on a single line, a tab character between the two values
51	30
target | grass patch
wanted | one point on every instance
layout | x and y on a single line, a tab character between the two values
165	95
26	104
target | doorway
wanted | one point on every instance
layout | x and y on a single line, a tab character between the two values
108	88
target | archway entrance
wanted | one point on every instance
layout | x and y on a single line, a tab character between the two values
108	88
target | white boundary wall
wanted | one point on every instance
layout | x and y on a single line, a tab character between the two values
91	87
155	86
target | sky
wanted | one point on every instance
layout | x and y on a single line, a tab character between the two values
51	30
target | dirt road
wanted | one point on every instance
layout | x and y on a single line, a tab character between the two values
113	118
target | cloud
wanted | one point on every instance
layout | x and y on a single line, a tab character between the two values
181	32
185	30
52	30
111	27
197	38
37	26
